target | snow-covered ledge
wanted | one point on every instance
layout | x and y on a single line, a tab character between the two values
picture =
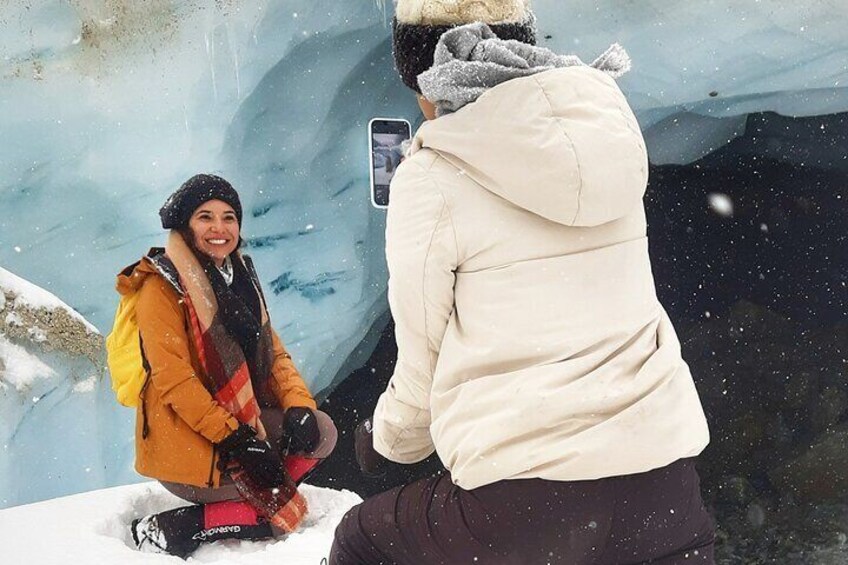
29	313
51	366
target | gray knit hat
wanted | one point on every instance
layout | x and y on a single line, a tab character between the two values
418	25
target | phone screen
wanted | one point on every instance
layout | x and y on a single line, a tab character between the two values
385	137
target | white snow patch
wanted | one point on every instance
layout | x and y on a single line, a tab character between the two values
93	527
721	204
37	334
36	297
13	319
2	299
22	368
87	385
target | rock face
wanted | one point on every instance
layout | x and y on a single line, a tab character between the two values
757	291
776	395
773	391
818	473
51	368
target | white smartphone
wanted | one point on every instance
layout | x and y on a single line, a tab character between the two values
385	138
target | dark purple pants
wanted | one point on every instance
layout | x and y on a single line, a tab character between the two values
655	517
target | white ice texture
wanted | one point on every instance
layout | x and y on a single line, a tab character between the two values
107	106
93	528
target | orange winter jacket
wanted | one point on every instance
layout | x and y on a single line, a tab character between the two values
178	422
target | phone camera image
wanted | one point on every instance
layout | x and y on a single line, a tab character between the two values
386	139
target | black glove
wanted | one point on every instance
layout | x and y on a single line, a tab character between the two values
254	455
370	462
300	431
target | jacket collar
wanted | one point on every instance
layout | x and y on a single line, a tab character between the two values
157	258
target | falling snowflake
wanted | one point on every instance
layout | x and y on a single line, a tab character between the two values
721	204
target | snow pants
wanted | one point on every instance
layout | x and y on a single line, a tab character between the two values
654	517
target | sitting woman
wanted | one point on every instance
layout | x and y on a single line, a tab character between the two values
223	407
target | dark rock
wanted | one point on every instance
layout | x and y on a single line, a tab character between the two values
819	474
832	404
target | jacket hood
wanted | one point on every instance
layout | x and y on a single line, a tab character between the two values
563	144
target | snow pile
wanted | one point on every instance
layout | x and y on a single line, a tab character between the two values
93	528
19	368
51	364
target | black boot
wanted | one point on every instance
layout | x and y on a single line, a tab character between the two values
181	531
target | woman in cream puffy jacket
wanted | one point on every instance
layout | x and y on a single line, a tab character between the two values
533	354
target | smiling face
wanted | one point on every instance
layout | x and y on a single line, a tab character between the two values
215	229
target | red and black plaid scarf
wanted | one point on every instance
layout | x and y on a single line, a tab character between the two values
221	355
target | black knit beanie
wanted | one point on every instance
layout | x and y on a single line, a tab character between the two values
177	210
414	44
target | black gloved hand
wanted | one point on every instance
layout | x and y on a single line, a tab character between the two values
300	431
370	462
254	455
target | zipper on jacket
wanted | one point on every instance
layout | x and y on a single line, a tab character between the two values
145	429
211	483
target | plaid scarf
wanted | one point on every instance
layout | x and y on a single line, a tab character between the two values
235	349
221	355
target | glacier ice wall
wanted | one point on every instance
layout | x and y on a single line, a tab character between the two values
699	66
113	114
110	105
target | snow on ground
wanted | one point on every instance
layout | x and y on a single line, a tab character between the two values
93	528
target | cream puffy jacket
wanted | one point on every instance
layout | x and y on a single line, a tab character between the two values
530	340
